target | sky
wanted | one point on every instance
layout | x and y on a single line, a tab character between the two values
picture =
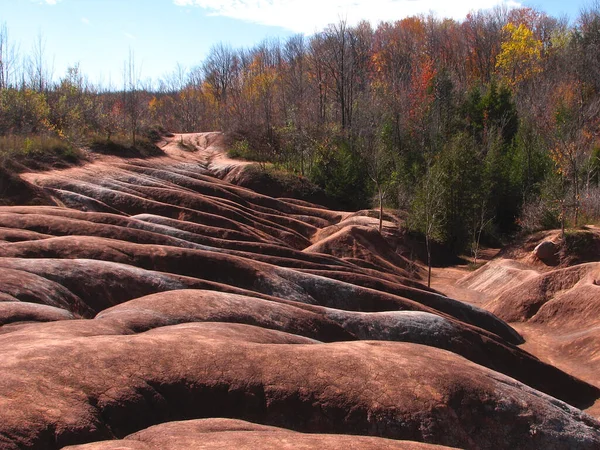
98	35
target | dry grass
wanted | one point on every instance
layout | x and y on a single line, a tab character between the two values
37	151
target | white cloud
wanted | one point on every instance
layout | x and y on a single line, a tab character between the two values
85	20
309	16
129	35
51	2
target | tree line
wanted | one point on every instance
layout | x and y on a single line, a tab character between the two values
477	127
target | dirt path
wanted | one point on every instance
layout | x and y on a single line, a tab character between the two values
445	280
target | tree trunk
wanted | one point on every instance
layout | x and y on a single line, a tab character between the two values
562	220
428	261
576	193
380	211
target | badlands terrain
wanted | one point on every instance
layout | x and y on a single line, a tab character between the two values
155	304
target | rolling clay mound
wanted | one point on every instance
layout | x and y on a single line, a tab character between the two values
161	307
221	434
550	291
30	312
65	391
269	181
556	309
363	244
493	278
331	325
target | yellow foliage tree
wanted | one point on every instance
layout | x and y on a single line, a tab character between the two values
520	54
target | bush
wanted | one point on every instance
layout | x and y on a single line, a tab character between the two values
186	146
538	214
242	149
590	205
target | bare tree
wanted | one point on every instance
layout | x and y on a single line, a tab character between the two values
131	94
338	40
295	59
319	75
8	58
429	209
219	70
483	220
379	165
39	73
588	35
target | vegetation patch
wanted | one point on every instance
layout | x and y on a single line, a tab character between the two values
120	145
37	152
279	183
186	146
579	246
242	149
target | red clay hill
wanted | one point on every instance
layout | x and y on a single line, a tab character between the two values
150	304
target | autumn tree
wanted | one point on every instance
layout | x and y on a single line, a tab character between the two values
482	33
520	55
571	134
109	113
24	112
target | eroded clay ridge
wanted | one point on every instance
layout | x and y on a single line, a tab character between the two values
160	307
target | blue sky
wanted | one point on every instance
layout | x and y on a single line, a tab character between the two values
98	34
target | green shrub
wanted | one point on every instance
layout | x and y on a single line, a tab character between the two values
342	173
241	149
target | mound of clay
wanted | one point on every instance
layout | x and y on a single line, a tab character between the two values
220	434
547	250
114	385
363	245
11	312
158	300
493	278
523	301
580	246
557	311
330	325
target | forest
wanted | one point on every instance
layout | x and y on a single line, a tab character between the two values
477	128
